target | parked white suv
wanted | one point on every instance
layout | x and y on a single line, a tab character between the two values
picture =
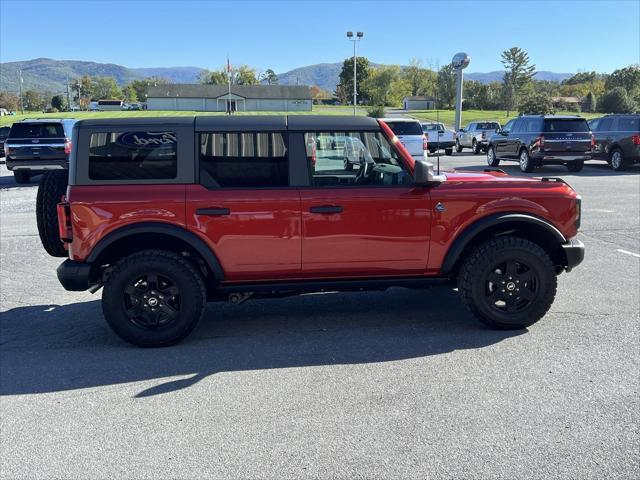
409	132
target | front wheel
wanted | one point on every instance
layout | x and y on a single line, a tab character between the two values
458	146
492	160
508	282
526	165
153	298
575	166
22	176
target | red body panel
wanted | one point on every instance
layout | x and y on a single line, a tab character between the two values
99	210
381	231
260	239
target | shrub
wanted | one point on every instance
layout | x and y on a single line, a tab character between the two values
536	104
617	101
376	111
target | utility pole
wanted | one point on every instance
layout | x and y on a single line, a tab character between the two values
357	38
68	95
20	84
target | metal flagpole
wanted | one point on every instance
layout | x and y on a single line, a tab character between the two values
229	78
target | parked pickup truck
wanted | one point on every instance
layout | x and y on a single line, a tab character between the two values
439	137
476	136
234	208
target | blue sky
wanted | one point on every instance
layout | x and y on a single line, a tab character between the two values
564	36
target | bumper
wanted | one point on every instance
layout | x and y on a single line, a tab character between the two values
574	251
444	144
74	276
40	164
550	159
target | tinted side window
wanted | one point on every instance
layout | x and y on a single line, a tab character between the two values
353	159
517	126
133	155
509	126
530	125
628	124
606	124
243	160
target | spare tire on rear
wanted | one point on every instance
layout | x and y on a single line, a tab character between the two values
52	187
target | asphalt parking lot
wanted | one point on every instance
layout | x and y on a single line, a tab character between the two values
400	384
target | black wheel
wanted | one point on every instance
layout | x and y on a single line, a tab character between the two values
348	166
153	298
508	282
475	146
526	165
448	151
458	146
432	151
575	166
53	186
492	160
617	160
22	176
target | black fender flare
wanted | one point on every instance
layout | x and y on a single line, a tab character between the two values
463	239
165	229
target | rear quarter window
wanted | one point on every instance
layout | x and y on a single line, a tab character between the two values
629	124
566	125
134	155
405	128
36	130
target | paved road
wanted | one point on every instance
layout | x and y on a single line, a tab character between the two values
401	384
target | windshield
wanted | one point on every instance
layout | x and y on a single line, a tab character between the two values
488	126
36	130
565	125
404	128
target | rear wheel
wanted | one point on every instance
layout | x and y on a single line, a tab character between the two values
492	160
53	186
526	165
448	151
508	282
617	160
458	146
575	166
22	176
153	298
475	146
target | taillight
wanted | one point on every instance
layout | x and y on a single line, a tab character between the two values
540	141
67	146
484	135
593	140
7	150
64	221
578	211
455	135
425	142
635	139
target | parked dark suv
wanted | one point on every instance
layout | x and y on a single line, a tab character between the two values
37	145
617	139
168	213
536	140
4	133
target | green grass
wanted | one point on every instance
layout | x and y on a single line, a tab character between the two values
448	116
317	110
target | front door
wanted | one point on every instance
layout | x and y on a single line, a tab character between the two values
361	216
243	206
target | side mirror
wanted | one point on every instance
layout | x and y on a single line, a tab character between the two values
504	132
440	131
423	174
461	130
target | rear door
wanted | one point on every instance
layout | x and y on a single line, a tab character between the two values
365	221
628	126
37	141
566	136
410	135
242	205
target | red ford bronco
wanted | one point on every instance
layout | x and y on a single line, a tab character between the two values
169	213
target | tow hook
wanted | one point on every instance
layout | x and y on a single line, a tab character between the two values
238	298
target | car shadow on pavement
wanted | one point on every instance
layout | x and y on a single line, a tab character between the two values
7	182
589	170
51	348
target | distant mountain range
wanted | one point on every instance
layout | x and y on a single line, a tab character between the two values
45	74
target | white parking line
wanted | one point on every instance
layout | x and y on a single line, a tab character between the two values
628	253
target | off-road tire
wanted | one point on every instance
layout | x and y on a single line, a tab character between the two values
165	264
576	166
492	160
478	265
448	151
458	146
53	186
22	177
617	160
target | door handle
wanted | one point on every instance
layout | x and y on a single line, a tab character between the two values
213	211
326	209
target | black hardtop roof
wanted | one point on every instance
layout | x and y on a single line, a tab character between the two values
238	123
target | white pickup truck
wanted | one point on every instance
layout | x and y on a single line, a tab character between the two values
439	137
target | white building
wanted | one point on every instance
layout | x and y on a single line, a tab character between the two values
418	102
243	98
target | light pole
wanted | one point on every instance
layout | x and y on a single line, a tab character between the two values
460	62
357	38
